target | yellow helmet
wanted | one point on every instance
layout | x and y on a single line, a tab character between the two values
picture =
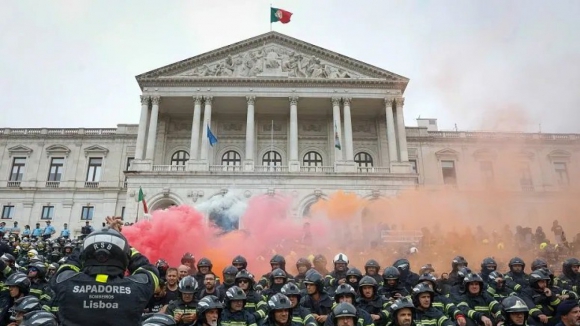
543	245
500	246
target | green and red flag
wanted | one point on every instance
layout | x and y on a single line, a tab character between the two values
279	15
142	199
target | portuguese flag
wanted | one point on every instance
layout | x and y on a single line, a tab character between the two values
279	15
141	198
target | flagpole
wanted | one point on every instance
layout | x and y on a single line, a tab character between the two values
137	212
271	142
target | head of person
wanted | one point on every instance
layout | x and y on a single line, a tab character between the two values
39	318
209	310
402	311
24	305
18	285
105	251
515	311
187	288
280	309
569	312
344	314
235	299
158	319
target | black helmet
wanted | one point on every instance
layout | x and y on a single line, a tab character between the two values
489	261
463	272
208	303
514	304
458	262
188	258
372	263
342	290
279	260
245	275
21	281
204	262
39	318
107	248
241	261
25	305
494	276
8	259
428	268
158	319
278	273
567	267
402	264
303	262
538	275
391	273
188	284
313	277
470	278
235	293
539	263
40	267
344	309
368	281
278	302
229	274
353	271
517	261
290	289
428	277
401	303
162	267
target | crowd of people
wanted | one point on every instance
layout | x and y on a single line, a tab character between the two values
101	280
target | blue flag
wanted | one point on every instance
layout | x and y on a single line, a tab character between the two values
211	137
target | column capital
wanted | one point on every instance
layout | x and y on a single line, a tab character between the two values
346	100
144	99
208	99
293	100
155	100
251	100
389	100
335	101
400	101
197	99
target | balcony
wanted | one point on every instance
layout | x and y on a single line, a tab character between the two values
377	170
13	184
52	184
271	169
91	184
168	168
225	168
317	169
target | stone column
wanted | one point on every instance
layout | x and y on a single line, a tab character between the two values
194	147
391	138
336	130
250	135
402	134
142	131
348	147
153	128
206	122
294	164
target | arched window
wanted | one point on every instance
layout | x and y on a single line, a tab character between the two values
363	160
312	159
231	158
179	158
272	158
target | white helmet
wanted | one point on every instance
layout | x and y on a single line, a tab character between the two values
413	250
340	258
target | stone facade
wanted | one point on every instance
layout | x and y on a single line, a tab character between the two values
291	119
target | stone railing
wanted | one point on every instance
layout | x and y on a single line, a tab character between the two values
59	131
494	135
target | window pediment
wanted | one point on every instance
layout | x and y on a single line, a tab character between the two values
20	150
447	153
559	154
485	154
57	150
526	155
96	150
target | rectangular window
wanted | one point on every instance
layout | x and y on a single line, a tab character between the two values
413	165
47	213
486	168
94	170
129	160
56	168
87	213
561	170
526	177
8	212
449	174
17	171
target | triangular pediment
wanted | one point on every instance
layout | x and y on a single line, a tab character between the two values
96	150
272	56
55	150
20	150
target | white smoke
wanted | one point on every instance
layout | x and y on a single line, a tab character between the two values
225	210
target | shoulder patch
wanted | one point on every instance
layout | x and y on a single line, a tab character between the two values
66	275
140	278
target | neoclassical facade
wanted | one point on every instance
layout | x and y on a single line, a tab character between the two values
289	119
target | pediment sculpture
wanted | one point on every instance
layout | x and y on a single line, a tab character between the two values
271	61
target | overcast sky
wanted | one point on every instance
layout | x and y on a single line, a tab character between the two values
507	65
